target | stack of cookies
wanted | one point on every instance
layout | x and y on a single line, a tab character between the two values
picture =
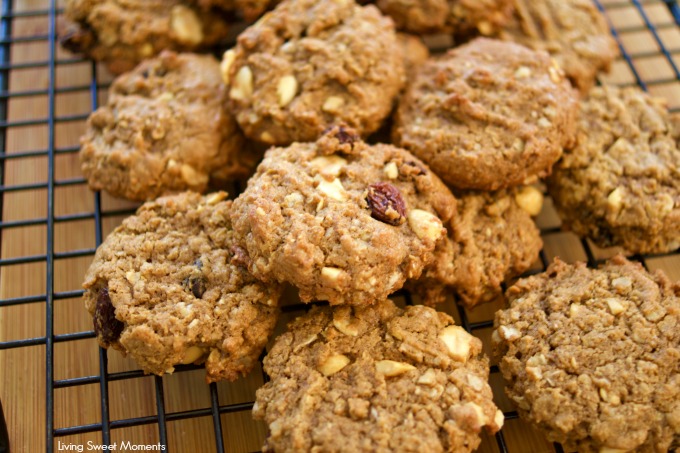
299	106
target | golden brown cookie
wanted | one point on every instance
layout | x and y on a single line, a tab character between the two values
341	220
309	64
376	379
122	33
170	286
620	184
488	115
164	128
592	357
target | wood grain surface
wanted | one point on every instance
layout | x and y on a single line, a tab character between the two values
23	369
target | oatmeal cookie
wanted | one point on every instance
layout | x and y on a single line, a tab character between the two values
488	115
312	63
122	33
376	379
170	286
164	128
574	32
592	357
460	17
341	220
620	184
491	239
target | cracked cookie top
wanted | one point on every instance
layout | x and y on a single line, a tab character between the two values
488	115
170	286
309	64
592	356
341	220
376	379
620	184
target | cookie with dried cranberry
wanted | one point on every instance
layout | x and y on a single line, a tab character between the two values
488	115
122	33
460	17
309	64
620	184
491	239
170	286
573	32
341	220
379	378
164	129
592	356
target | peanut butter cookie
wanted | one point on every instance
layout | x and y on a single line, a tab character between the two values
460	17
341	220
376	379
164	128
592	357
620	184
170	286
309	64
122	33
491	239
574	32
488	115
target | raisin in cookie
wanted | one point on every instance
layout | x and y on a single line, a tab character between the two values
164	128
592	357
487	115
341	220
170	286
574	32
620	184
122	33
312	63
491	239
460	17
376	379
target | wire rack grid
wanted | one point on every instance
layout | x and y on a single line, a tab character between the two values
57	386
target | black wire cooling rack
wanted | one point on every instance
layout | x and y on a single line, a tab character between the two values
637	23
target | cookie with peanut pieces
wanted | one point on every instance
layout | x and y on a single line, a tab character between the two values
341	220
620	184
170	286
491	239
164	129
376	379
460	17
122	33
488	115
592	356
309	64
573	32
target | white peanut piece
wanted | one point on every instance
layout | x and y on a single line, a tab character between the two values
343	321
425	225
530	200
329	165
242	88
192	354
333	364
457	341
186	25
390	368
332	104
333	189
227	60
286	89
391	171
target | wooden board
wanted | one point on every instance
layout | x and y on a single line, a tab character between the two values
23	370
